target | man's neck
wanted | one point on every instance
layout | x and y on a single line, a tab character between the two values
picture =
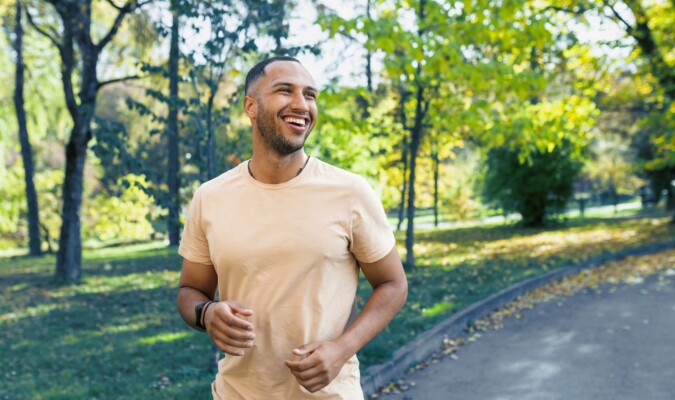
272	168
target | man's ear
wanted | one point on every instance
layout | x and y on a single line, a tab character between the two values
250	107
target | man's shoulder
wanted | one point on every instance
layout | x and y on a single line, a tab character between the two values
222	182
336	174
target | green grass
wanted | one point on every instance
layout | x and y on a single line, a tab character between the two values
117	335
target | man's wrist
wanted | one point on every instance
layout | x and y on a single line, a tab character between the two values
200	310
204	313
348	344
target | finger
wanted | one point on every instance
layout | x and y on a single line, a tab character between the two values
302	365
228	349
236	333
316	384
247	344
239	308
234	342
305	376
306	349
233	321
220	329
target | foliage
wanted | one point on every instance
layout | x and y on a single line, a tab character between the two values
359	136
13	224
535	189
13	204
648	28
611	172
125	217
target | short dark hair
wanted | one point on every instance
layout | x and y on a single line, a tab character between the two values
259	70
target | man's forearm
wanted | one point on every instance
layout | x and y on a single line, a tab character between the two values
187	300
385	301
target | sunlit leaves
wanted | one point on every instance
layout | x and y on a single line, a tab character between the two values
127	216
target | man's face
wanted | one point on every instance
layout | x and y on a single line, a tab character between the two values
283	107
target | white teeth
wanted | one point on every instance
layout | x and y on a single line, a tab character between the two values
298	121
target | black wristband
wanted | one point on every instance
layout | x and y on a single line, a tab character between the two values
206	307
198	315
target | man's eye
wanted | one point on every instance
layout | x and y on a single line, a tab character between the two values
311	95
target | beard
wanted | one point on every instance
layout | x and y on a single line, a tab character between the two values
270	133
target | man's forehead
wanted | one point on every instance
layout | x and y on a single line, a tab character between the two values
289	72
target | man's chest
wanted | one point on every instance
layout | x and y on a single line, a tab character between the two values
260	230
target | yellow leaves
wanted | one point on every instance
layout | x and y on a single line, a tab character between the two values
630	270
643	88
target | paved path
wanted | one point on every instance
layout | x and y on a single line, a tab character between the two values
618	344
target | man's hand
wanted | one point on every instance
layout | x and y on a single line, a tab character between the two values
321	363
226	327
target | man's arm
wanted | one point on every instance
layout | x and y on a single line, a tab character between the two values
323	360
198	283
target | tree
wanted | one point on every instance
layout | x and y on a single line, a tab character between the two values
212	69
26	148
648	27
454	65
535	189
173	220
76	32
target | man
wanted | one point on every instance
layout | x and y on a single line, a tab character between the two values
282	237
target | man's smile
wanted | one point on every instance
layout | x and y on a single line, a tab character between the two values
297	123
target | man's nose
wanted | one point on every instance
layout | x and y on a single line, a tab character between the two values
299	102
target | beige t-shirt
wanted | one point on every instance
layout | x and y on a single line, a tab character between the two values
288	252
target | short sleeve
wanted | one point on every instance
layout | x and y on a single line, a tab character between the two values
193	245
372	237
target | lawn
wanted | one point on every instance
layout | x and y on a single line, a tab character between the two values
117	335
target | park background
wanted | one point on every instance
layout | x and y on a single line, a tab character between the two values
506	138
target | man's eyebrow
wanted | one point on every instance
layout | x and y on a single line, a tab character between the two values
312	88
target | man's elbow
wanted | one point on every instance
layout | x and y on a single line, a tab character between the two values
401	292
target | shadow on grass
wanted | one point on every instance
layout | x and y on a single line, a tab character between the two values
40	270
120	345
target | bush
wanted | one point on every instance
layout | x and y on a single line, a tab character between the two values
536	188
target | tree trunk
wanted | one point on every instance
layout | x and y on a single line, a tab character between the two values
77	23
404	156
47	238
34	244
369	54
415	140
401	207
615	198
670	198
582	207
434	156
173	222
211	141
69	257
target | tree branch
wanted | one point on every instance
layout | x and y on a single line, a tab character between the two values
629	27
123	11
112	3
42	31
580	11
116	80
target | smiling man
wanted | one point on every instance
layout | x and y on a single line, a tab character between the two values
282	237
